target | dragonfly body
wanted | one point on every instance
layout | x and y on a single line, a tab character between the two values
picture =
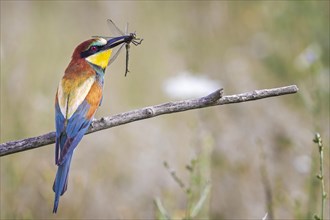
127	39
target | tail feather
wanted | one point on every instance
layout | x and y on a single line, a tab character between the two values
61	181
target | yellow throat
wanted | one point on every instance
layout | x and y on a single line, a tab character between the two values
100	59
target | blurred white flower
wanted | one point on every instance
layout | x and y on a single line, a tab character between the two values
302	163
186	85
265	217
306	58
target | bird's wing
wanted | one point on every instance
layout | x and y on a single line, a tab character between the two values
72	92
73	115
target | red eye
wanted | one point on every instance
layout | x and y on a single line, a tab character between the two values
93	48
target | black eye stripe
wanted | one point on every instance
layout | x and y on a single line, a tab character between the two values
90	51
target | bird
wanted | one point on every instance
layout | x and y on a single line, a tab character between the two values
78	96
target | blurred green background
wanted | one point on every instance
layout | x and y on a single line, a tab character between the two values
258	156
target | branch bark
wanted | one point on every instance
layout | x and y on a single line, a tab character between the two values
213	99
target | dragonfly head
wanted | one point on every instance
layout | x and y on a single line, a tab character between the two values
134	40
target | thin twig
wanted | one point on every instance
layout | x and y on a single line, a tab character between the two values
317	139
213	99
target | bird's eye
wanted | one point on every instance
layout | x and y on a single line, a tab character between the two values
93	48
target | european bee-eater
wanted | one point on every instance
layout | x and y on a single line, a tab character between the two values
78	96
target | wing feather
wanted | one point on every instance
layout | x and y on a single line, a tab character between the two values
70	97
70	131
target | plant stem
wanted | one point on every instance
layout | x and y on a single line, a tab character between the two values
317	139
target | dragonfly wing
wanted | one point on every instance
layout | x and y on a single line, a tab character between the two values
114	29
115	54
126	28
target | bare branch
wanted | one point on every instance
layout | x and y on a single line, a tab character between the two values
213	99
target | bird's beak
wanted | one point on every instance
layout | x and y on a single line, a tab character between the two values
102	57
113	42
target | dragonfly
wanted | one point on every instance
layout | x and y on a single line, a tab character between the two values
128	38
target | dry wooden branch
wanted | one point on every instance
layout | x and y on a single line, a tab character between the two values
213	99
